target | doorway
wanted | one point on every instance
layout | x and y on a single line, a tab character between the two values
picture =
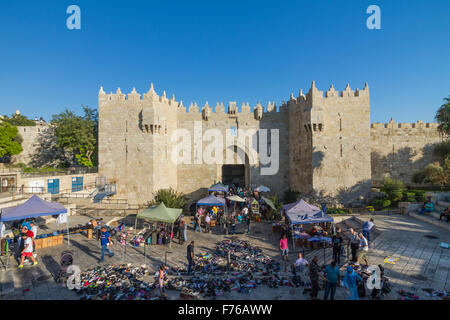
234	174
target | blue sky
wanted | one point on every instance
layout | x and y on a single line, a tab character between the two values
225	51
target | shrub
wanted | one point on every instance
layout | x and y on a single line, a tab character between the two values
381	203
419	177
170	198
393	189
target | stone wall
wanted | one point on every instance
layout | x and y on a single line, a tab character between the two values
400	149
327	146
31	141
136	143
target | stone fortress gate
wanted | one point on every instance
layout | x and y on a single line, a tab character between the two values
313	143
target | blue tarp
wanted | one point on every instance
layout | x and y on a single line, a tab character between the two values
32	208
301	212
218	187
211	201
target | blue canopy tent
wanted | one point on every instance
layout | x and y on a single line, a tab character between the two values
218	187
301	212
211	201
33	208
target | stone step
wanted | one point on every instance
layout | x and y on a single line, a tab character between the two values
6	282
444	204
431	220
439	208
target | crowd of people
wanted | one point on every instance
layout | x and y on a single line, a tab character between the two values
330	274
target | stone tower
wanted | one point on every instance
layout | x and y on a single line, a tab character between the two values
134	135
329	149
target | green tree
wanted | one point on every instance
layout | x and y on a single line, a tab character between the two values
443	116
438	173
78	135
10	140
442	149
393	189
170	197
19	120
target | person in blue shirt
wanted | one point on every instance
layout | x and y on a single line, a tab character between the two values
105	240
351	283
367	226
332	276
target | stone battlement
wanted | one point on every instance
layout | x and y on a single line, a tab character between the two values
393	125
232	108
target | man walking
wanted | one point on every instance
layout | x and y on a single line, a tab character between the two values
190	256
207	223
105	241
299	265
184	232
332	279
367	226
363	249
314	270
354	243
248	223
337	246
198	227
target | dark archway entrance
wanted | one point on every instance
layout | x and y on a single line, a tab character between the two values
234	174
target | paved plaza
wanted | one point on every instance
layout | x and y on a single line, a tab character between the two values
422	263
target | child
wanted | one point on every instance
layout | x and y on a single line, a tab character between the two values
27	251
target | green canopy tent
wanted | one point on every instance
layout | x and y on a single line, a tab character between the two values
159	213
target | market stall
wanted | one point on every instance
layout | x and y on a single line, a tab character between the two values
160	213
301	213
211	201
218	187
36	207
262	189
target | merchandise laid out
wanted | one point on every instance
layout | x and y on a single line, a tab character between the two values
247	268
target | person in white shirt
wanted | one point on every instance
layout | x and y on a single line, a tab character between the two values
34	229
363	249
208	222
299	264
27	251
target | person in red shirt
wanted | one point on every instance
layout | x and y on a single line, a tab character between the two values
29	233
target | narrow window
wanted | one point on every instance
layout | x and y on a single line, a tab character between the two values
340	124
341	149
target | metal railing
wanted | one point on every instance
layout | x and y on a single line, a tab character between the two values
68	171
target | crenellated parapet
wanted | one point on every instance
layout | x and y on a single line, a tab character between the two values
392	125
134	98
332	95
